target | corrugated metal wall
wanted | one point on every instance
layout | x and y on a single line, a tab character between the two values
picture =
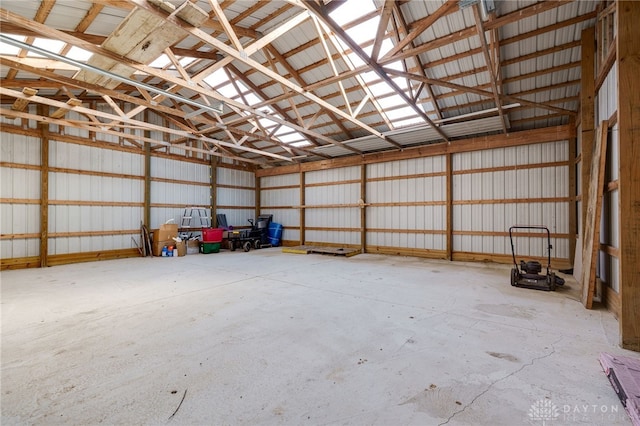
20	192
499	188
175	185
407	204
327	219
97	192
280	196
236	196
95	198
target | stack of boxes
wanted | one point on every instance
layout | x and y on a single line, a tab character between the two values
211	240
164	237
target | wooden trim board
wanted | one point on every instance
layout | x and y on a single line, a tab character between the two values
592	219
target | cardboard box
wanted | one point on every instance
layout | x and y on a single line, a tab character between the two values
182	248
193	247
158	244
166	232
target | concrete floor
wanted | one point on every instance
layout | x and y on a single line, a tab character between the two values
265	338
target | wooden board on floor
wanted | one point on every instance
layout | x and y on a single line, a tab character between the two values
334	251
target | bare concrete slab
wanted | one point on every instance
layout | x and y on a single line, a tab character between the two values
265	338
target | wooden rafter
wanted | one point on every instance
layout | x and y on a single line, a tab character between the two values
321	13
448	7
21	104
490	67
385	13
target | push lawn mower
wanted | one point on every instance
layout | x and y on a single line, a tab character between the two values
529	274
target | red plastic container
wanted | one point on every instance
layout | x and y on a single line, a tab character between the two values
212	235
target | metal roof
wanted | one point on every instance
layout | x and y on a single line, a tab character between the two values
289	65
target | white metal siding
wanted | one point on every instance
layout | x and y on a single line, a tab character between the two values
479	208
240	197
70	191
334	217
19	184
289	217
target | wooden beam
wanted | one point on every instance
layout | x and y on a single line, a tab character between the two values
587	116
385	14
44	191
363	208
303	225
628	18
449	195
487	59
591	236
547	134
382	73
526	12
62	111
21	104
448	7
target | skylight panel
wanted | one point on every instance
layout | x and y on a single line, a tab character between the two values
185	61
391	101
217	78
351	10
290	138
6	49
365	31
228	91
407	122
78	54
161	62
46	44
400	113
252	99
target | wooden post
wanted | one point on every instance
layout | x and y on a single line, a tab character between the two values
449	195
147	176
44	190
302	210
363	208
573	213
587	116
629	179
213	189
257	202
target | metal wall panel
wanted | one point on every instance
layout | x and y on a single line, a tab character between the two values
71	195
17	184
421	210
191	188
241	197
332	194
479	198
607	96
289	218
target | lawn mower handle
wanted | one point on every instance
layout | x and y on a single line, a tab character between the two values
543	228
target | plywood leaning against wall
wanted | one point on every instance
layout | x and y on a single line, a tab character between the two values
591	242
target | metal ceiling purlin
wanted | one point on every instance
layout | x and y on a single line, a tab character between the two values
322	14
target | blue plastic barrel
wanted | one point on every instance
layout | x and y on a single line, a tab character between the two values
275	231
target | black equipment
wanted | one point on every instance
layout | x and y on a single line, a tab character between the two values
528	275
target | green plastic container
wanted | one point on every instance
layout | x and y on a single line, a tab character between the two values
207	248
